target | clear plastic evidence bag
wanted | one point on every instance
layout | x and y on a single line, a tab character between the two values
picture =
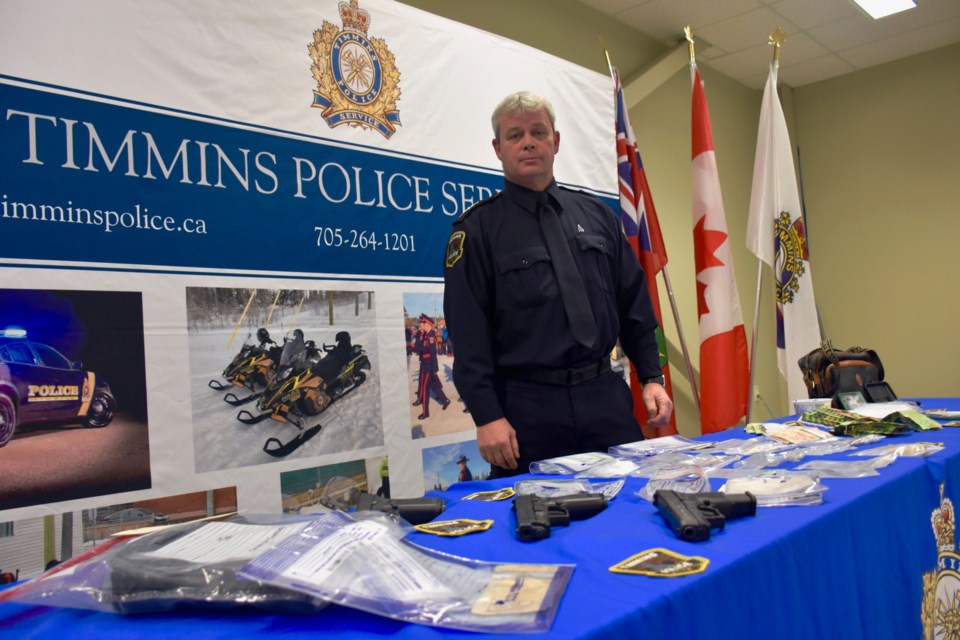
361	560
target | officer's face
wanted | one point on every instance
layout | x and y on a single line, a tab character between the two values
526	147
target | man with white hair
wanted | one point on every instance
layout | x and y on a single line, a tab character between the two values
540	285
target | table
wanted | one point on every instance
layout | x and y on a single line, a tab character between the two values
853	567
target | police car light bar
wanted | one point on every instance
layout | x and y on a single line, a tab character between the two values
14	332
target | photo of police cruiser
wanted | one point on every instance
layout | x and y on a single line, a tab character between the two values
39	385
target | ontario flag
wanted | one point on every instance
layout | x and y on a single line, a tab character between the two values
777	235
724	367
639	221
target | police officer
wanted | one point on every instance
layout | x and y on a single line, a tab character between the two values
532	360
465	474
429	369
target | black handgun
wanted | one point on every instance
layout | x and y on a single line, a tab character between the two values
413	510
693	515
535	515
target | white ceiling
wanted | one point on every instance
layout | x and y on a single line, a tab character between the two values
825	38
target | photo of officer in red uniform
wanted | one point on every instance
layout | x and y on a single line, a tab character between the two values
426	347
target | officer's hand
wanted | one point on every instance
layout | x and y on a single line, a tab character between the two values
497	442
658	403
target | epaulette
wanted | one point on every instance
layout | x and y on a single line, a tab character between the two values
463	216
595	198
580	191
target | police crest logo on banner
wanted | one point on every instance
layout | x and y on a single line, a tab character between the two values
940	610
358	82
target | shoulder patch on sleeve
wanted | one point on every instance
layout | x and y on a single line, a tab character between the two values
455	247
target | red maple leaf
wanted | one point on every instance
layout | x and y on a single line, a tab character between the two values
705	245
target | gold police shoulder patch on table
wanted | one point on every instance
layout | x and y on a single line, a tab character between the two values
460	527
455	247
661	563
492	496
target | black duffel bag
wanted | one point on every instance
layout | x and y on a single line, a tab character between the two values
828	371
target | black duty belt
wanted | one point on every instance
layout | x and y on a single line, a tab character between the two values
561	377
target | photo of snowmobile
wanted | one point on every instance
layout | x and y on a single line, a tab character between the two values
307	382
252	368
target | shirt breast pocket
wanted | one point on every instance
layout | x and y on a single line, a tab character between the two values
527	277
596	254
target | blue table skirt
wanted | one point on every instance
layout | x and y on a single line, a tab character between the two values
852	567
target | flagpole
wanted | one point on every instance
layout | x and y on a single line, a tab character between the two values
683	342
776	39
753	340
806	231
673	300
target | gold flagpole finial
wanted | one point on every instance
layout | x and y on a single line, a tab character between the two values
606	53
777	38
688	33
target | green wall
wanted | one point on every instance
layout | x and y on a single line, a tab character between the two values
881	172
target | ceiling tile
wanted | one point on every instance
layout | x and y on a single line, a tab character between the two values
807	14
858	30
745	31
749	64
744	63
664	20
706	51
903	45
825	38
613	7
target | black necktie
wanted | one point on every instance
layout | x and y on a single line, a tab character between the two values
582	325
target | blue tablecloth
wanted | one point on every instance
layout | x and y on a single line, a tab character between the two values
852	567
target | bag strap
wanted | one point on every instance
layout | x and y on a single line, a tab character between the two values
827	347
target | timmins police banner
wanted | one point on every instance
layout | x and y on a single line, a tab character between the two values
176	175
345	136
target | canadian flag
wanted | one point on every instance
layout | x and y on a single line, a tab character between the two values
724	368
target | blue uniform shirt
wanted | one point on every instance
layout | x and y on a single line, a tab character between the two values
502	303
